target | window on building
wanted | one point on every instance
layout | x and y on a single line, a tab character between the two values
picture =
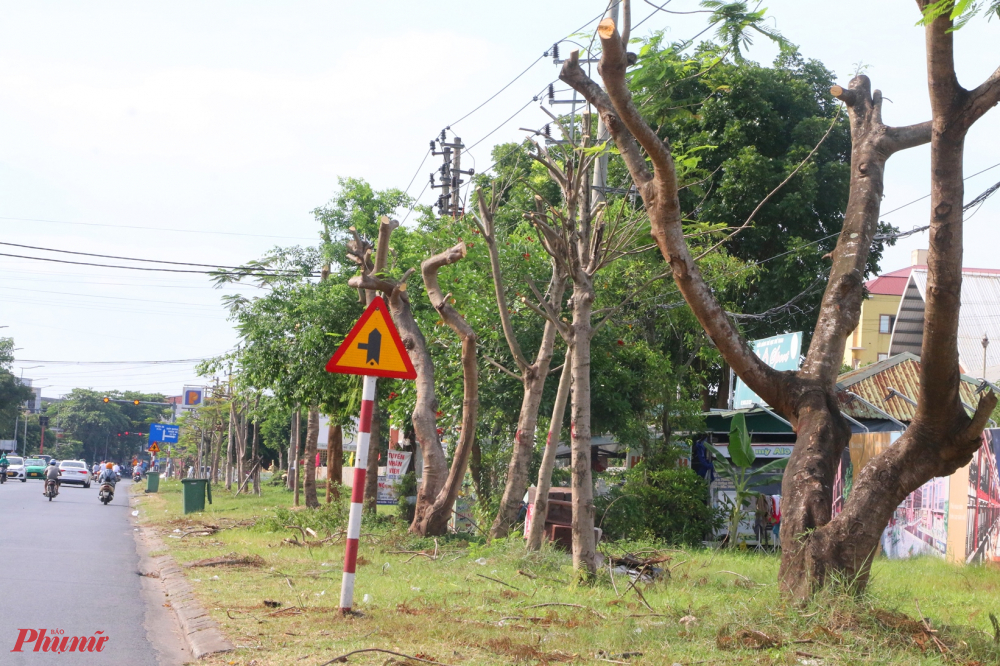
882	356
885	323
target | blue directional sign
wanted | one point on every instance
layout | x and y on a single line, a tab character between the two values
163	432
781	352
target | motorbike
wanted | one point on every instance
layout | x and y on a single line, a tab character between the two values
51	489
3	475
107	493
136	476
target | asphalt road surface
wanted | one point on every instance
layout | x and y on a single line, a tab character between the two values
70	565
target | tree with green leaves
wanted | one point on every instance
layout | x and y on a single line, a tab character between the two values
817	547
13	394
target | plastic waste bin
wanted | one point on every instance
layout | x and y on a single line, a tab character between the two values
195	491
152	482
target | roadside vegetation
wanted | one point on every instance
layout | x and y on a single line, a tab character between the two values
462	600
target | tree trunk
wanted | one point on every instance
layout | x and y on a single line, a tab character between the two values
540	509
434	518
584	544
374	448
334	461
312	438
533	375
255	458
296	453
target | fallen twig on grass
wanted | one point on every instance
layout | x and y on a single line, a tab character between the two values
930	632
497	580
532	575
633	585
555	603
733	573
229	560
342	659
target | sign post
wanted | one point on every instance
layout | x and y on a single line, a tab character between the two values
372	349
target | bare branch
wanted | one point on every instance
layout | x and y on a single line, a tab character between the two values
503	369
486	225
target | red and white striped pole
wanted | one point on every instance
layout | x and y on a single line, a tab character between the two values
357	494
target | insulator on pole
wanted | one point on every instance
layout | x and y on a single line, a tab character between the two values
552	92
555	51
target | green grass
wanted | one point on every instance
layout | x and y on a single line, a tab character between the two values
448	609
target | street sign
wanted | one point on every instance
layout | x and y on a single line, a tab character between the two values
373	347
8	445
153	448
781	352
164	432
192	397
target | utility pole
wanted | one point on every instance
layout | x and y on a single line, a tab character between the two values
450	201
444	200
600	182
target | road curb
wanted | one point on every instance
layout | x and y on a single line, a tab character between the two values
199	630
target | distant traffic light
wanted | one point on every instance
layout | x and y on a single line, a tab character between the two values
135	402
107	399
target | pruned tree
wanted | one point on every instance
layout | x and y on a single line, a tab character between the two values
531	373
943	437
582	238
439	486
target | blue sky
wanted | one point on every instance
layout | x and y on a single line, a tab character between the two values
236	118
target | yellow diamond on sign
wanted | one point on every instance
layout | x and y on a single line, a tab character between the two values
373	347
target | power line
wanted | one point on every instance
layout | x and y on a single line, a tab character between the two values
163	362
151	261
170	229
926	196
254	271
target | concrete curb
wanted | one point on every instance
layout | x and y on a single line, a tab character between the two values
200	631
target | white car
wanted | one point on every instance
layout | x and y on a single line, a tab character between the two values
16	468
74	471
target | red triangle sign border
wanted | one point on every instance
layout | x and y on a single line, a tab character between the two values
377	305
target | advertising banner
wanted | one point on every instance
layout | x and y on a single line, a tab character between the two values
781	352
397	462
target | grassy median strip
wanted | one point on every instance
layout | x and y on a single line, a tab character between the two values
271	578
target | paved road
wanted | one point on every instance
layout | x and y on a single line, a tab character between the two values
70	564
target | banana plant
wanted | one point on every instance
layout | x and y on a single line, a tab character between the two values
739	468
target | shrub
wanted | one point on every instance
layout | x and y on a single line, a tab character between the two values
669	505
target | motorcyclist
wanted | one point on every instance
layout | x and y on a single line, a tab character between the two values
52	473
4	464
108	475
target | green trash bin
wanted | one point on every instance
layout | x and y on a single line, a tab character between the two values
152	482
195	491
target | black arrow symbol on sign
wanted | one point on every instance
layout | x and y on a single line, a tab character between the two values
373	346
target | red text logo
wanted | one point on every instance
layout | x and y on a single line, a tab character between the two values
35	640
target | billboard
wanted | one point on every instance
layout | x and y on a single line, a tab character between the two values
192	397
781	352
8	445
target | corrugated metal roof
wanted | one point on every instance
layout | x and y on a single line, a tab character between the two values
979	316
900	372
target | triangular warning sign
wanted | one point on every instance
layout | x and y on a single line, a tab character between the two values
153	448
373	347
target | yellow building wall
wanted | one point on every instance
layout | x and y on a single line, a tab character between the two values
866	343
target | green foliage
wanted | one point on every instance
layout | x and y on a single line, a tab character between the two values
95	430
326	520
406	487
958	11
668	505
12	393
756	124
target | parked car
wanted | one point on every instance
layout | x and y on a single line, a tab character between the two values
34	468
16	468
75	472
